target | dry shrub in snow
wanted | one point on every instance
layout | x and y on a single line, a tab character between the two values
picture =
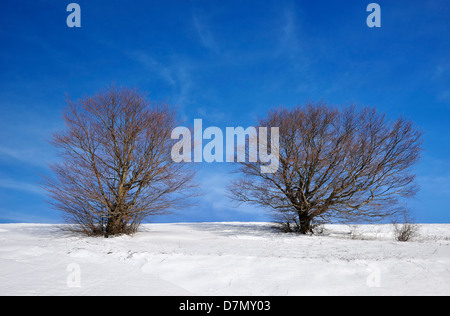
406	230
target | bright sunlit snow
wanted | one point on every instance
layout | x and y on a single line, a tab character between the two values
224	259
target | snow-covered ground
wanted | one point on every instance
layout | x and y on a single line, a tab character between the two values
224	259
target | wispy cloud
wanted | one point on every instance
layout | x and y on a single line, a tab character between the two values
440	77
176	71
288	38
441	70
24	215
155	66
21	186
11	153
205	34
32	155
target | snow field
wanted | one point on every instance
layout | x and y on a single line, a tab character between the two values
231	258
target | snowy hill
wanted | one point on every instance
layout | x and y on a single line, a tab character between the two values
224	259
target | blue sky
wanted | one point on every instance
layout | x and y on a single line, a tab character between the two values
226	62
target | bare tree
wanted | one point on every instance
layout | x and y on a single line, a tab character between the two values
116	167
334	164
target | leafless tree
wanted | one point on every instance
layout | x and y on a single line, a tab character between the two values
116	167
345	164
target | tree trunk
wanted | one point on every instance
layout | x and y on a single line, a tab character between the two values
305	223
115	225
